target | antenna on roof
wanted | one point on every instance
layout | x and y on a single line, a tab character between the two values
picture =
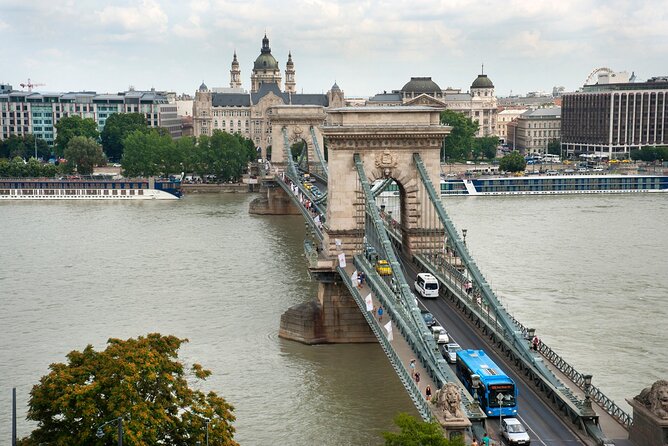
482	68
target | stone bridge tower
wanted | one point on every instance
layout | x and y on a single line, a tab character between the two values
386	139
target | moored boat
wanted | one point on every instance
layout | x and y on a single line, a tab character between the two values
74	188
547	185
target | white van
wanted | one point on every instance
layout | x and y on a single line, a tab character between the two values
426	285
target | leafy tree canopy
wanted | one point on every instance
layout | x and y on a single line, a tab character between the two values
459	142
650	154
71	126
84	153
116	128
149	153
513	162
485	147
138	379
24	147
554	147
418	433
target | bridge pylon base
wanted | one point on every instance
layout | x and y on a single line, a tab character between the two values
273	200
332	318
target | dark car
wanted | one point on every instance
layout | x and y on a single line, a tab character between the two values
428	318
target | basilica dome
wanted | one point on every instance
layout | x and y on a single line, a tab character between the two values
265	61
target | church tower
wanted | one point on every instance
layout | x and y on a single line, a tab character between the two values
290	86
265	68
235	73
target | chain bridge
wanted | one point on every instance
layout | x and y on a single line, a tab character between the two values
368	149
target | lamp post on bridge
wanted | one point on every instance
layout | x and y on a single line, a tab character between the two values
464	231
587	410
475	383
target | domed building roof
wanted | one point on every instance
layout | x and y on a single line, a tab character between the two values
335	87
203	87
482	81
421	85
265	61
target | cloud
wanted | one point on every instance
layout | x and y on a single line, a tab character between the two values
146	20
3	25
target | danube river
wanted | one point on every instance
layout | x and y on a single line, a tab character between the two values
587	272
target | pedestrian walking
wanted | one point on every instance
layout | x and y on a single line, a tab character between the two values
362	277
427	393
485	439
380	314
417	378
411	365
474	442
535	342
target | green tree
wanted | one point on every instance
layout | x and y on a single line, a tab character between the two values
485	147
554	147
71	126
418	433
24	146
116	128
139	379
459	142
142	154
84	153
513	162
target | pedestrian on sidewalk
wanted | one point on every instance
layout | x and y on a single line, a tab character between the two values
485	439
380	314
417	378
474	442
411	365
427	393
535	342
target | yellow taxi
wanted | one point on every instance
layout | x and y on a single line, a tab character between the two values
383	268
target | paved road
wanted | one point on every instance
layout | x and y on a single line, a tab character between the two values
544	426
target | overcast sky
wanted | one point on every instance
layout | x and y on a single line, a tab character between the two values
365	46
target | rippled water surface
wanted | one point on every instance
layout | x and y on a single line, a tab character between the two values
74	273
588	272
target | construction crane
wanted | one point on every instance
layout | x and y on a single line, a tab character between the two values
29	85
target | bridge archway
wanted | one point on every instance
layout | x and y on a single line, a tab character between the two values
385	138
296	123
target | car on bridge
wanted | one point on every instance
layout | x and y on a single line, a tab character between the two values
371	254
449	351
513	432
428	318
383	268
440	335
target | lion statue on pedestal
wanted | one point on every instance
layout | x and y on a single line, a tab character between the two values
655	398
449	400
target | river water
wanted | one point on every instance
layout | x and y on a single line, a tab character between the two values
587	272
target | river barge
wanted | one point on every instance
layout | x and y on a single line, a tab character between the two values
89	189
547	185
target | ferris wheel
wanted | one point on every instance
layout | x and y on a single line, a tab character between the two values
593	76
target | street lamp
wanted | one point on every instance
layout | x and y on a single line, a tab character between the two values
475	383
586	405
464	231
119	420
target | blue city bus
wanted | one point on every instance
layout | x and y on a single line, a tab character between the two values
493	381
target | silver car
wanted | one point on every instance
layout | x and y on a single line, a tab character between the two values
449	351
514	433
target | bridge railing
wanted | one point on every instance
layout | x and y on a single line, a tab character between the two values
411	386
319	153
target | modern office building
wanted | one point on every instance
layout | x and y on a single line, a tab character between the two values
533	130
234	110
23	113
610	120
479	103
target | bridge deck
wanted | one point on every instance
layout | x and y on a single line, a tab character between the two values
398	342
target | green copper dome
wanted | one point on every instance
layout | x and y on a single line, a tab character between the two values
421	85
265	61
482	81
